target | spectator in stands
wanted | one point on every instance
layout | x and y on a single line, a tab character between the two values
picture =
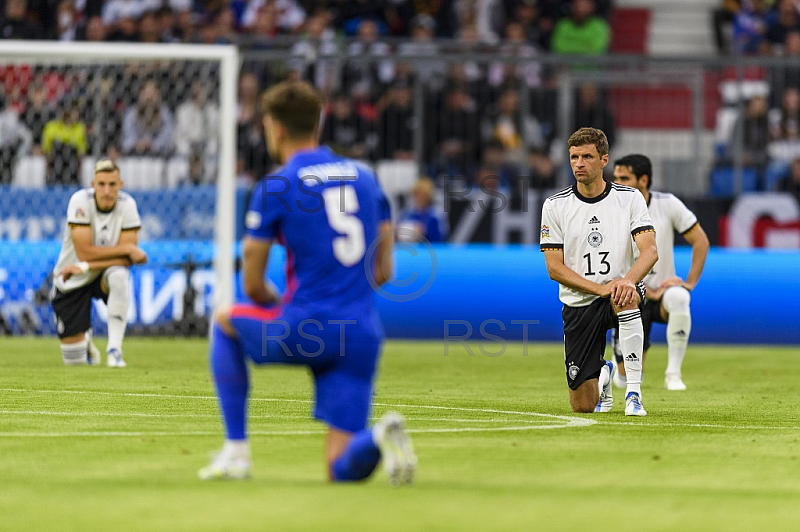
64	143
345	132
787	20
456	130
494	161
750	26
149	28
15	23
396	124
516	133
789	75
541	173
148	127
38	112
126	29
591	110
289	16
515	45
197	124
251	150
67	22
423	220
784	125
723	17
93	31
369	75
421	45
583	32
15	140
791	183
314	55
751	133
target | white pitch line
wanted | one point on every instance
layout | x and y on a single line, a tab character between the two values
570	421
697	425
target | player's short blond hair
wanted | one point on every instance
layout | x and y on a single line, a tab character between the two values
296	105
589	135
105	165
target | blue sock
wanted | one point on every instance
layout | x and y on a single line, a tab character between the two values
358	460
229	370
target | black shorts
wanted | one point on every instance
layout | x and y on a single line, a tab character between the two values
651	313
585	339
73	309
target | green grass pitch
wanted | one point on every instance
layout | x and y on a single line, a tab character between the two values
98	449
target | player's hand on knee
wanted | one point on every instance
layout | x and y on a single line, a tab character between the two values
623	293
69	271
672	281
138	256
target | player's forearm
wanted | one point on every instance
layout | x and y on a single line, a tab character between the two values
561	274
95	253
647	259
699	254
107	263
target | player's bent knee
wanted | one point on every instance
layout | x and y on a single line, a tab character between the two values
116	278
676	299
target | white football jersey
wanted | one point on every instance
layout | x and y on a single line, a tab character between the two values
669	214
106	228
594	233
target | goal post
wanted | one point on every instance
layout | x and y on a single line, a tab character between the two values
92	55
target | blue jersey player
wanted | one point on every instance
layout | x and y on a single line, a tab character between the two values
334	220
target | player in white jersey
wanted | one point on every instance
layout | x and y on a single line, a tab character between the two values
100	244
667	299
586	239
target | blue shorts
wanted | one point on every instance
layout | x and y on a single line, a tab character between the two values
342	357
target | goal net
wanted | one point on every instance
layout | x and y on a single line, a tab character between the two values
166	114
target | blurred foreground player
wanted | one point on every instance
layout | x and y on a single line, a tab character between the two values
334	220
668	296
100	244
586	239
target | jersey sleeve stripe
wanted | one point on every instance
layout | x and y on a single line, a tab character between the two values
690	228
644	229
551	247
131	228
79	223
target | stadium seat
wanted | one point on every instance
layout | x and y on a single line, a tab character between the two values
142	172
723	178
397	178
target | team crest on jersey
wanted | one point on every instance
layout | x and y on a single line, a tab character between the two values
595	239
573	371
545	231
80	213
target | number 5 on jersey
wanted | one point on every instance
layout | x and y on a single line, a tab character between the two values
341	204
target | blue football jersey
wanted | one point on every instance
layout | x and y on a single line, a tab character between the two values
327	211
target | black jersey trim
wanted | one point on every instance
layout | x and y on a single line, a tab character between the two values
79	223
644	229
132	228
690	228
595	199
551	247
562	193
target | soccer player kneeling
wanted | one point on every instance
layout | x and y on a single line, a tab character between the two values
100	244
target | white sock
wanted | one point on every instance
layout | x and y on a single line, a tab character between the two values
237	448
631	344
75	354
118	300
676	301
605	376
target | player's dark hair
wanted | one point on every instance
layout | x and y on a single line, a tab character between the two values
296	105
639	164
589	135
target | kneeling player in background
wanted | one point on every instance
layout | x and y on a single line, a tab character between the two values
100	244
668	296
